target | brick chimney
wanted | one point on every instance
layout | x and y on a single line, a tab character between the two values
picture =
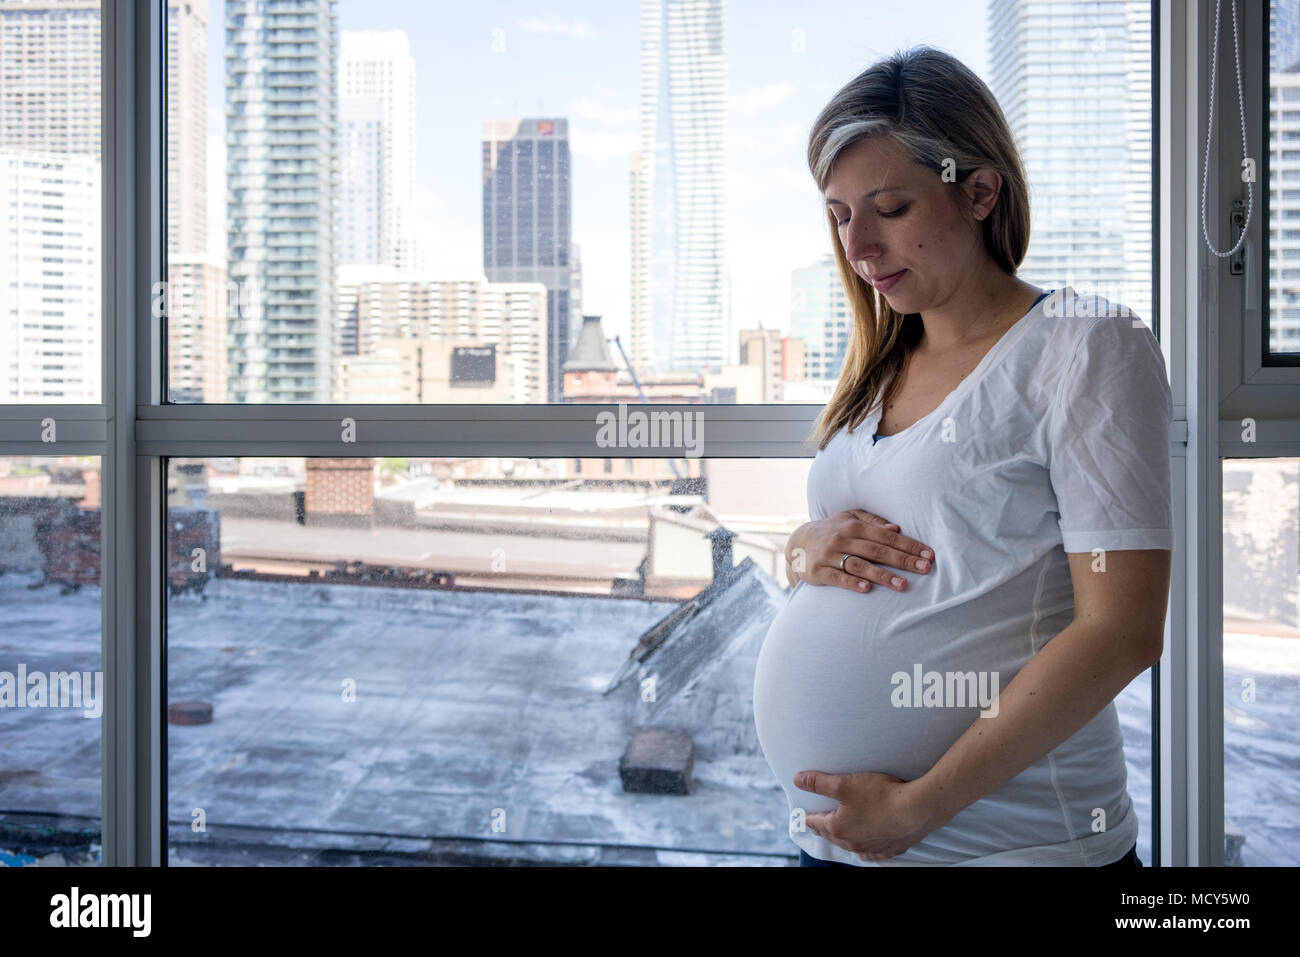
340	491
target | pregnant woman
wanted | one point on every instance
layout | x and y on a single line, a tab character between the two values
1020	437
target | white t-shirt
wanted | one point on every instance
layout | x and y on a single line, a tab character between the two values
1057	442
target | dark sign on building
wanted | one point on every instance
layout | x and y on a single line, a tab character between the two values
473	365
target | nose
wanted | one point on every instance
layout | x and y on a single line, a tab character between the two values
858	246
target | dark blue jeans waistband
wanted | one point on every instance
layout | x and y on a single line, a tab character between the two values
807	860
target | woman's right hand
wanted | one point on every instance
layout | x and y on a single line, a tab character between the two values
813	552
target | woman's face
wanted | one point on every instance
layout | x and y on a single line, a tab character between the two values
895	217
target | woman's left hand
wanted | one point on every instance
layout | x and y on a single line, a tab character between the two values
879	817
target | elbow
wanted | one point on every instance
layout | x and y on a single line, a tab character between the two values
1152	649
1157	651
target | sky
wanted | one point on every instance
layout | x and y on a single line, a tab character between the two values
581	61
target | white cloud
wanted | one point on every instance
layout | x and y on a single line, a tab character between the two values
760	99
568	26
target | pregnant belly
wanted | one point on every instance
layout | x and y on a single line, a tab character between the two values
824	694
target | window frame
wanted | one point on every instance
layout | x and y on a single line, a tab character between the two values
133	430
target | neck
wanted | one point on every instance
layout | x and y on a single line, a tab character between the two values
988	304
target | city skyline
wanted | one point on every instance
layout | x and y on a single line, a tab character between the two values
778	79
1086	200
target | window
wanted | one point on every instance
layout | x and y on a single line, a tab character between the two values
50	226
1261	544
506	271
52	690
391	655
439	346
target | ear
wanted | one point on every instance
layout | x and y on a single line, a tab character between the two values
982	188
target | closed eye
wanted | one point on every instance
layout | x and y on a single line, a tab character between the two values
887	215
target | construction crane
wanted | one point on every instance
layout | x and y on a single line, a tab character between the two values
641	394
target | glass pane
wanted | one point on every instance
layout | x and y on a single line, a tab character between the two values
50	306
1283	315
433	661
342	229
1261	661
410	660
51	682
1133	706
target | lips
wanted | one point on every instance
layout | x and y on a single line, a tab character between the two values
885	283
889	275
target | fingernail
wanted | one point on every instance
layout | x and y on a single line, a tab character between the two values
898	582
862	586
926	553
922	564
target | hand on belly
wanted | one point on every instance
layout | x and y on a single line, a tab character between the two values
878	816
823	694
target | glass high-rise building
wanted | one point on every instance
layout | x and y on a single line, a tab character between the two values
281	178
1074	80
527	236
680	314
819	316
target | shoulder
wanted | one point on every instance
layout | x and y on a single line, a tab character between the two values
1071	318
1075	331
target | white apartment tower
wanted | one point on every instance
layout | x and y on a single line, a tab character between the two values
49	76
50	188
196	275
1074	80
1283	177
187	127
50	300
377	149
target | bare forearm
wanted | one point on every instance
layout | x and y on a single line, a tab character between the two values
1056	693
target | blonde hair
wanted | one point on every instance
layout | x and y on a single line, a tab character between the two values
936	109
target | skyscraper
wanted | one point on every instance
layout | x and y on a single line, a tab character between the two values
679	305
819	316
282	177
187	126
1074	80
377	149
363	211
49	61
50	299
1283	36
526	221
1283	171
507	321
196	275
50	188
